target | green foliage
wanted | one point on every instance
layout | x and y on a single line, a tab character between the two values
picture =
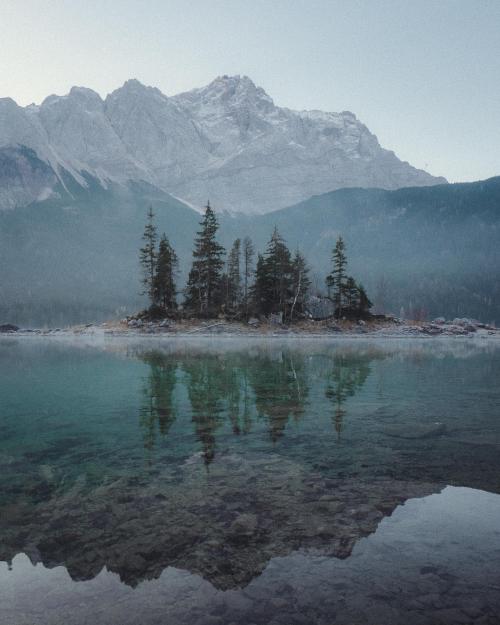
73	259
364	303
300	285
350	299
248	256
335	281
234	292
164	280
204	291
273	291
147	257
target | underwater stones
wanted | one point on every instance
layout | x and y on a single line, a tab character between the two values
331	504
224	526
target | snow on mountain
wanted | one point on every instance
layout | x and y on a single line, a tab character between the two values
156	133
226	141
80	133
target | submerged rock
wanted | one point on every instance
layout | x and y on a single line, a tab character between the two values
244	525
224	525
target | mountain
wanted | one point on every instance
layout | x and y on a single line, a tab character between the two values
419	251
432	249
67	261
227	141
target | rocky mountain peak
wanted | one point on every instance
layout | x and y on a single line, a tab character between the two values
133	90
77	97
236	87
226	140
227	93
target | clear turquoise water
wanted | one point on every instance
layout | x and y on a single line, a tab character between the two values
190	462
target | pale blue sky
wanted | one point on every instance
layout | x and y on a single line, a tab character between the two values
424	75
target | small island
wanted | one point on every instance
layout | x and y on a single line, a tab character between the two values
273	296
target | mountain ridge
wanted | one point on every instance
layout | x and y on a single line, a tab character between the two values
227	141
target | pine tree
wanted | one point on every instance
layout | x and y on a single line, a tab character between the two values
260	287
147	257
233	297
351	296
336	279
300	284
364	303
164	280
204	293
248	256
273	284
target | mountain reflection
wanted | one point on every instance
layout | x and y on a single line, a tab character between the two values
238	391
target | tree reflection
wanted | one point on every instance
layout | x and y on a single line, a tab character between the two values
346	376
280	386
214	387
158	410
234	388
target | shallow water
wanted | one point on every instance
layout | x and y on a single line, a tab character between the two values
247	482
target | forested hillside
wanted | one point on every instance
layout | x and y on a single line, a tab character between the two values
428	250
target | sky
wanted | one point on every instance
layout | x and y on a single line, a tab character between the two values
423	75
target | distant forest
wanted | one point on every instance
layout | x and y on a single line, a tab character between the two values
237	285
419	252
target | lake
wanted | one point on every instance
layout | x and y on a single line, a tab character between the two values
226	481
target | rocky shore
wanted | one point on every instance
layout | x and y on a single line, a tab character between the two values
388	327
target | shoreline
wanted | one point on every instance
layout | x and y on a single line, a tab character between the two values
324	330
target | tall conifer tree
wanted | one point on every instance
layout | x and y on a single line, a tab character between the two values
336	279
164	281
248	256
364	303
234	276
351	296
260	287
273	284
147	257
300	284
204	288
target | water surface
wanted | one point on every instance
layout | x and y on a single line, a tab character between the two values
247	482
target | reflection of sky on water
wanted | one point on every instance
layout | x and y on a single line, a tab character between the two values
436	559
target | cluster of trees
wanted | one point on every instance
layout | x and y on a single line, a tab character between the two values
349	297
159	265
277	284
